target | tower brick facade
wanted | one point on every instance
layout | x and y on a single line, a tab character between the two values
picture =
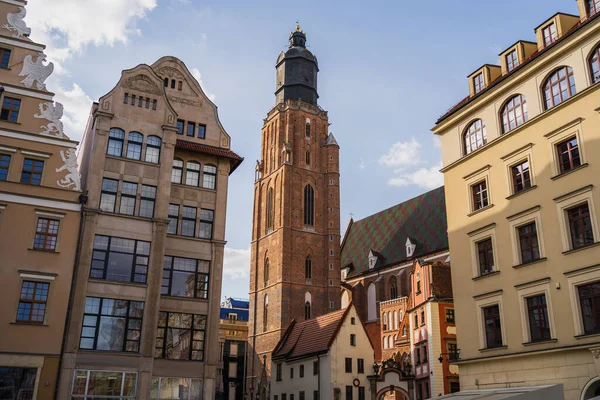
295	257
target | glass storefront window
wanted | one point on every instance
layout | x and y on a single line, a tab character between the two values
176	389
102	385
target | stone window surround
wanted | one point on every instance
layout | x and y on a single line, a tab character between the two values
479	235
575	279
530	289
515	158
482	174
521	219
573	128
573	199
48	215
486	300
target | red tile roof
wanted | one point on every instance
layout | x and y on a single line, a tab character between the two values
236	160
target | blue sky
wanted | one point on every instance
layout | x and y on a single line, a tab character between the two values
388	69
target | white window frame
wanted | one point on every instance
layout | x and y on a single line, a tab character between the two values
531	289
477	236
570	200
573	128
515	158
575	279
518	220
87	382
487	300
160	378
472	179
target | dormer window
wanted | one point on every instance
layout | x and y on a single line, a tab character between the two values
410	248
478	82
549	34
512	61
344	273
373	256
592	7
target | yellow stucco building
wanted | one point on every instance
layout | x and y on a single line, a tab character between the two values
521	175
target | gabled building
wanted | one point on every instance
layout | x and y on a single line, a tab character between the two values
328	357
234	330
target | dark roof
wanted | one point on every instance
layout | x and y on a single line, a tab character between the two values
236	303
211	150
242	315
422	219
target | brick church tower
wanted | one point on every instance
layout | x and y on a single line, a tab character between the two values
295	260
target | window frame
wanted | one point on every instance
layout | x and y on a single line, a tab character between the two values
156	146
588	7
514	110
42	302
594	64
581	221
192	174
548	85
480	235
3	52
116	137
136	141
474	131
185	220
137	260
518	172
7	111
177	166
360	365
201	128
145	198
512	60
171	217
532	289
192	132
201	279
543	309
4	166
206	223
106	191
308	267
493	314
450	316
34	175
565	147
484	247
127	196
192	330
530	237
348	365
47	233
552	36
309	205
88	372
569	201
180	124
478	83
207	173
480	195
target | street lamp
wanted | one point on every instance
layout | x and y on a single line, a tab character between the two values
452	356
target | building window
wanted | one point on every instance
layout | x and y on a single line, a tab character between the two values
201	131
32	303
418	356
188	221
147	201
292	373
478	83
480	195
361	393
266	272
140	101
301	395
134	145
191	129
308	158
308	268
115	142
206	223
315	367
512	61
180	126
474	137
279	368
425	359
118	259
559	87
153	144
92	385
416	317
360	365
589	299
154	105
301	370
307	127
309	205
185	277
514	113
307	310
450	316
348	365
404	331
108	196
46	234
270	210
126	98
10	109
549	34
180	336
209	178
175	388
493	329
4	164
177	171
147	102
592	7
568	154
348	392
537	311
393	288
528	242
422	317
266	313
521	177
32	171
594	62
173	219
485	255
580	226
128	194
352	339
17	383
110	324
133	97
4	58
192	173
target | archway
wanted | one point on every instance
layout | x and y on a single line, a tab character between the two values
392	393
591	389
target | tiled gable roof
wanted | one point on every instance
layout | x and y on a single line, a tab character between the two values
235	159
422	218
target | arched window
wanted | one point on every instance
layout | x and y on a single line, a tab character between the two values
395	320
309	205
404	331
514	113
134	145
266	271
390	342
474	136
166	82
393	288
209	177
592	7
307	127
385	321
115	142
371	303
345	299
153	149
177	171
270	209
308	267
559	86
192	173
266	313
418	283
595	63
172	83
308	158
307	305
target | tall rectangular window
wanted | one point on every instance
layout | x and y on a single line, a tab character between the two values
32	171
360	365
116	138
180	336
549	34
206	223
348	365
361	393
537	312
485	255
32	303
10	109
175	388
112	325
191	129
521	177
279	368
128	193
209	178
512	60
4	58
589	301
528	242
134	145
580	226
493	328
4	164
450	315
46	234
177	171
154	104
315	367
108	195
568	155
147	201
480	195
478	82
185	277
118	259
192	173
188	221
17	383
348	392
201	131
418	356
173	219
180	126
352	339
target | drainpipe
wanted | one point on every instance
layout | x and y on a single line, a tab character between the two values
83	198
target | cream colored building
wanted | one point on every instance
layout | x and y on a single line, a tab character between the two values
39	214
155	162
521	176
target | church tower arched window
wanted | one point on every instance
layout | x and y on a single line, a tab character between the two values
307	127
308	158
307	305
308	268
266	271
393	288
270	210
266	313
309	205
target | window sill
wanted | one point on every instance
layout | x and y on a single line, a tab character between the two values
120	353
555	177
132	160
28	323
480	210
137	217
169	296
44	250
10	122
135	284
191	186
529	189
545	341
486	275
493	348
587	246
539	260
188	238
587	335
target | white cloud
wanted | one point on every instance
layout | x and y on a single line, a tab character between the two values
361	164
437	143
402	155
77	106
236	263
196	73
426	178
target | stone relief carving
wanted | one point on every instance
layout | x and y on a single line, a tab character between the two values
70	164
143	83
53	112
186	102
170	72
35	71
16	23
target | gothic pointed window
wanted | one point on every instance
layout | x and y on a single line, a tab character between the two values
270	206
308	267
266	313
266	271
309	205
307	127
393	288
308	158
307	310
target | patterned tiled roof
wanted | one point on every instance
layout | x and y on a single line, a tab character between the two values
422	218
236	160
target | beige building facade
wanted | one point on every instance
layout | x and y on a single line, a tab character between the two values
155	163
39	214
521	192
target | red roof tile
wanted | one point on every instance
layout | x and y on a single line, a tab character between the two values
236	160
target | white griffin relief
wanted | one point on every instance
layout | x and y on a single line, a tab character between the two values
53	112
73	178
36	72
16	23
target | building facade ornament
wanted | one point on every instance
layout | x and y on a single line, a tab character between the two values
143	83
35	71
185	102
16	23
73	178
53	112
170	72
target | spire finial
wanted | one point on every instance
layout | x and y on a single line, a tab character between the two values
297	25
